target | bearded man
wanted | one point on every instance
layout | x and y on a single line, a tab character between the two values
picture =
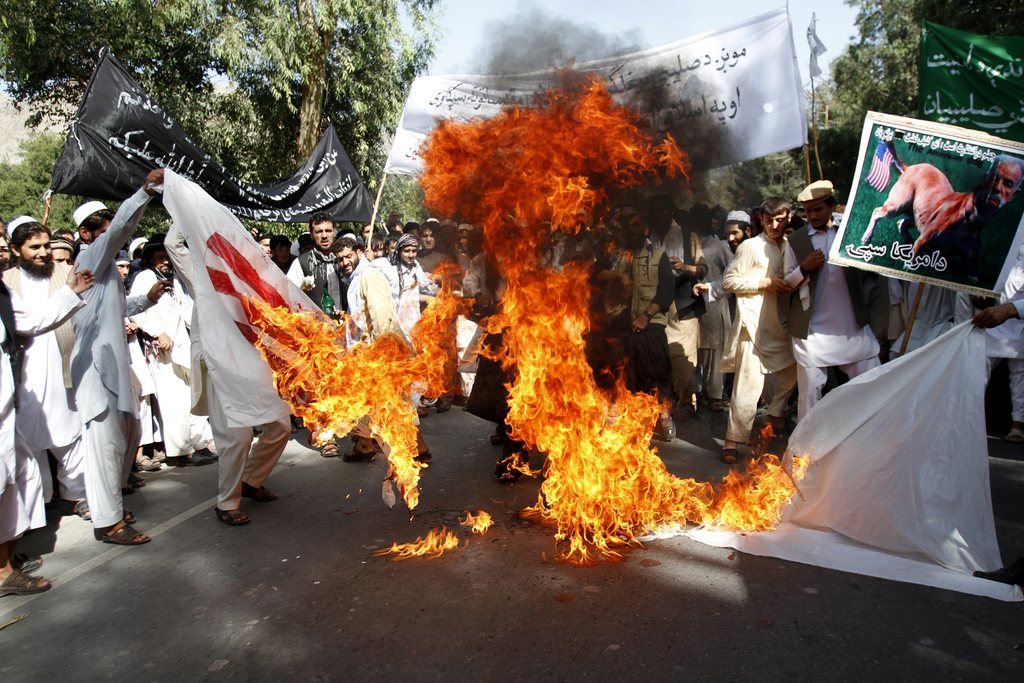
48	416
170	359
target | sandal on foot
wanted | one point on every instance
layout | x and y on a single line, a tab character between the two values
129	517
20	583
25	563
729	456
121	534
1015	436
136	481
425	456
260	494
329	450
231	517
81	509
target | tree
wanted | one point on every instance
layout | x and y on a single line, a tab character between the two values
879	71
254	82
23	184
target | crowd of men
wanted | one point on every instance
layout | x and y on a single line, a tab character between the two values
103	374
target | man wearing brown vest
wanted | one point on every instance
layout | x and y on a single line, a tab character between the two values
48	416
829	310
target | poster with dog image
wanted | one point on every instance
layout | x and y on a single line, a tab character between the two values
934	203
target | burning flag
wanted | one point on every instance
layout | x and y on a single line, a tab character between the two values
515	174
246	303
433	545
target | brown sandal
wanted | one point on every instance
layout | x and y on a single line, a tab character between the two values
729	456
232	517
261	494
121	534
20	583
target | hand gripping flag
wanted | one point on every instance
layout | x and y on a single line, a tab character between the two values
228	266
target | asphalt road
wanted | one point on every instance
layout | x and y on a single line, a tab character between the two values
299	594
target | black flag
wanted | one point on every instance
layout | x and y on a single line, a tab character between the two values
120	134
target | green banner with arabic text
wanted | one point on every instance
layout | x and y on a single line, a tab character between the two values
972	81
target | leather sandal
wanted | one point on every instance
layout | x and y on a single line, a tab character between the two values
729	456
260	494
232	517
20	583
121	533
81	509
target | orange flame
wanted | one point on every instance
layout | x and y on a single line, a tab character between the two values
335	389
436	543
754	500
553	164
478	524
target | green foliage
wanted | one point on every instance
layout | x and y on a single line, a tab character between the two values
878	72
402	193
24	184
235	75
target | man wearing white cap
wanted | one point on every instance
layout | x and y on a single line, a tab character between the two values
829	310
47	414
20	318
757	344
100	363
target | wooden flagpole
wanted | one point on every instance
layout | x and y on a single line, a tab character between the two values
46	205
913	317
376	202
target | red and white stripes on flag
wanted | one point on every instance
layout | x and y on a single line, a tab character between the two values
881	167
228	266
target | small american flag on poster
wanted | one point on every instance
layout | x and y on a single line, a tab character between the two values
881	167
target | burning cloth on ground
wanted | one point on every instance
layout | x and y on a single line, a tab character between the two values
898	485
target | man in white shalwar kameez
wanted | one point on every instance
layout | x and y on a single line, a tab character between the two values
828	313
22	319
47	414
184	434
757	343
243	466
100	369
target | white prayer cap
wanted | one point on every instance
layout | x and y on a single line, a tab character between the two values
20	220
86	210
738	217
136	243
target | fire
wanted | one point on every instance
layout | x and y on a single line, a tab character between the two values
551	165
436	543
478	524
754	500
335	389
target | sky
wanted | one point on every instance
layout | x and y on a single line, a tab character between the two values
650	23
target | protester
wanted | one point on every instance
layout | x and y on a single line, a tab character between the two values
649	275
20	318
829	309
48	418
281	252
61	251
682	320
243	466
164	327
717	319
100	370
430	255
316	271
757	343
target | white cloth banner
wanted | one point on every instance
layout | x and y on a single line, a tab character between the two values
743	78
227	265
898	485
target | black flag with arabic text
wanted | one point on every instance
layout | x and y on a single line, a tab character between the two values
120	134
